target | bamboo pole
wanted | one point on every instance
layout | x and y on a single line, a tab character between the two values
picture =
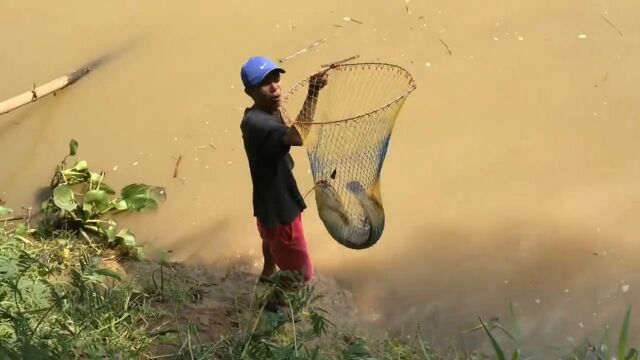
42	90
57	84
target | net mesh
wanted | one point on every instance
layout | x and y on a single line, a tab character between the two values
346	126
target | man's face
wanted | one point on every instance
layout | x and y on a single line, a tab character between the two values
268	92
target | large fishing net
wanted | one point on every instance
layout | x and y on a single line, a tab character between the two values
348	135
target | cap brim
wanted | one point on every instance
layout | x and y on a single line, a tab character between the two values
261	78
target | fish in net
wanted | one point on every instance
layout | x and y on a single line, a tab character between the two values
346	133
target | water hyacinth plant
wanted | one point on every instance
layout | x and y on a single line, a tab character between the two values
81	201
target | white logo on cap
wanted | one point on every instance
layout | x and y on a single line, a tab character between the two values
262	66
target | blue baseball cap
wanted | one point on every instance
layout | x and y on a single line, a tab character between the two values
255	69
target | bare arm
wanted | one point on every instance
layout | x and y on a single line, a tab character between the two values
316	83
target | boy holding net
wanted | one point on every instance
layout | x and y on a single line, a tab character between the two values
277	202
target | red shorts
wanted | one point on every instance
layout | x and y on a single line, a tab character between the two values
288	247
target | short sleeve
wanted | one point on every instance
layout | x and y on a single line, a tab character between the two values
266	137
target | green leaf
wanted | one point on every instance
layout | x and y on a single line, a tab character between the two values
137	253
108	272
632	355
516	355
127	237
95	199
142	196
64	198
5	211
494	343
21	230
95	179
120	204
624	335
109	230
73	147
80	166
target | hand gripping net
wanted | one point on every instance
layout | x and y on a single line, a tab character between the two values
347	137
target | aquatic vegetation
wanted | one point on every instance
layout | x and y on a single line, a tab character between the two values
80	202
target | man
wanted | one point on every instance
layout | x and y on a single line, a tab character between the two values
277	202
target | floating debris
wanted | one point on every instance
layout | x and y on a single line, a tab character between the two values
406	6
206	146
338	25
582	36
495	38
427	64
446	46
135	163
625	288
612	25
341	61
606	75
115	168
346	18
175	138
175	169
303	50
520	38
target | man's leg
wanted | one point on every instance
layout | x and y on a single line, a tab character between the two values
269	267
289	249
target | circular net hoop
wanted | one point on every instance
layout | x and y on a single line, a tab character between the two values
348	135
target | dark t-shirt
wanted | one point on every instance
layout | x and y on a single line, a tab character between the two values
276	198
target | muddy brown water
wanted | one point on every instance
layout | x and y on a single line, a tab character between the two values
513	172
